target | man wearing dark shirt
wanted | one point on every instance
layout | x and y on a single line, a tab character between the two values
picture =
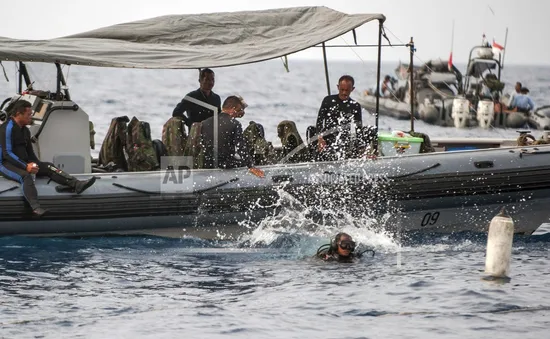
18	161
232	150
192	102
339	117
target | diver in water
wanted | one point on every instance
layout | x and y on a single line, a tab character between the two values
341	249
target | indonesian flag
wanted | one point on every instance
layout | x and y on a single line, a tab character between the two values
450	64
497	48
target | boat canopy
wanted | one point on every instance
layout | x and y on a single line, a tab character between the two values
478	66
193	40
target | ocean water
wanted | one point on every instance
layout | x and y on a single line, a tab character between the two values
265	285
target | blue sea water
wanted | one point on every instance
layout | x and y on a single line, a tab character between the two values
265	285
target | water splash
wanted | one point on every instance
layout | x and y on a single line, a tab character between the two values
296	225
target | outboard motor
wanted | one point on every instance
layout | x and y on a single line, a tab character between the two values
541	118
460	112
485	113
428	111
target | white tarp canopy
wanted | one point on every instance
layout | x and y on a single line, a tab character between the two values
192	41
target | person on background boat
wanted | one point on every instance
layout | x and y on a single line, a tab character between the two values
18	161
341	249
522	102
196	112
232	150
517	90
386	87
339	117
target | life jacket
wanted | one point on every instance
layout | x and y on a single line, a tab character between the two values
113	148
193	146
174	136
291	139
141	153
260	149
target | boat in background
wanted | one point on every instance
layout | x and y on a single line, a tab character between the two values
443	97
399	180
435	87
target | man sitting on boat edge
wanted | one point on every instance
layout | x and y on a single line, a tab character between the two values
18	161
232	151
195	111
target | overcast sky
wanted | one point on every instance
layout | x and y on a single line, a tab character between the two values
428	21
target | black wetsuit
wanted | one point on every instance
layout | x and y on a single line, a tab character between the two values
196	113
337	115
332	256
230	143
16	152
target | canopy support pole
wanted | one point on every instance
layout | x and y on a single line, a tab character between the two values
326	68
23	74
411	79
61	81
378	66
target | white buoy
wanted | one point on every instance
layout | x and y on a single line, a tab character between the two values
499	246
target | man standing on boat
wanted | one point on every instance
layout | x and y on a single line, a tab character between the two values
18	161
339	118
198	104
386	87
232	152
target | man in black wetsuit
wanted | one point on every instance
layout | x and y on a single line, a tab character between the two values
18	161
341	249
191	103
232	150
339	117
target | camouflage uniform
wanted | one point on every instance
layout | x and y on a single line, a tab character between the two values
174	136
141	153
113	148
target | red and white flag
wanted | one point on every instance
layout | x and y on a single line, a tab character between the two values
497	48
450	64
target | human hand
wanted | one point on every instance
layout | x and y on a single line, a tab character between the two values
321	144
32	168
257	172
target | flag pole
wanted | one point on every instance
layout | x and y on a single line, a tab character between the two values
450	64
504	52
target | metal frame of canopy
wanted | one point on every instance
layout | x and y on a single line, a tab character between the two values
61	84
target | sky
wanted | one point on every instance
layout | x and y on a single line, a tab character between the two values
429	22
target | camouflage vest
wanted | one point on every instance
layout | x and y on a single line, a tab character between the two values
291	139
193	146
174	136
260	149
141	153
113	148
